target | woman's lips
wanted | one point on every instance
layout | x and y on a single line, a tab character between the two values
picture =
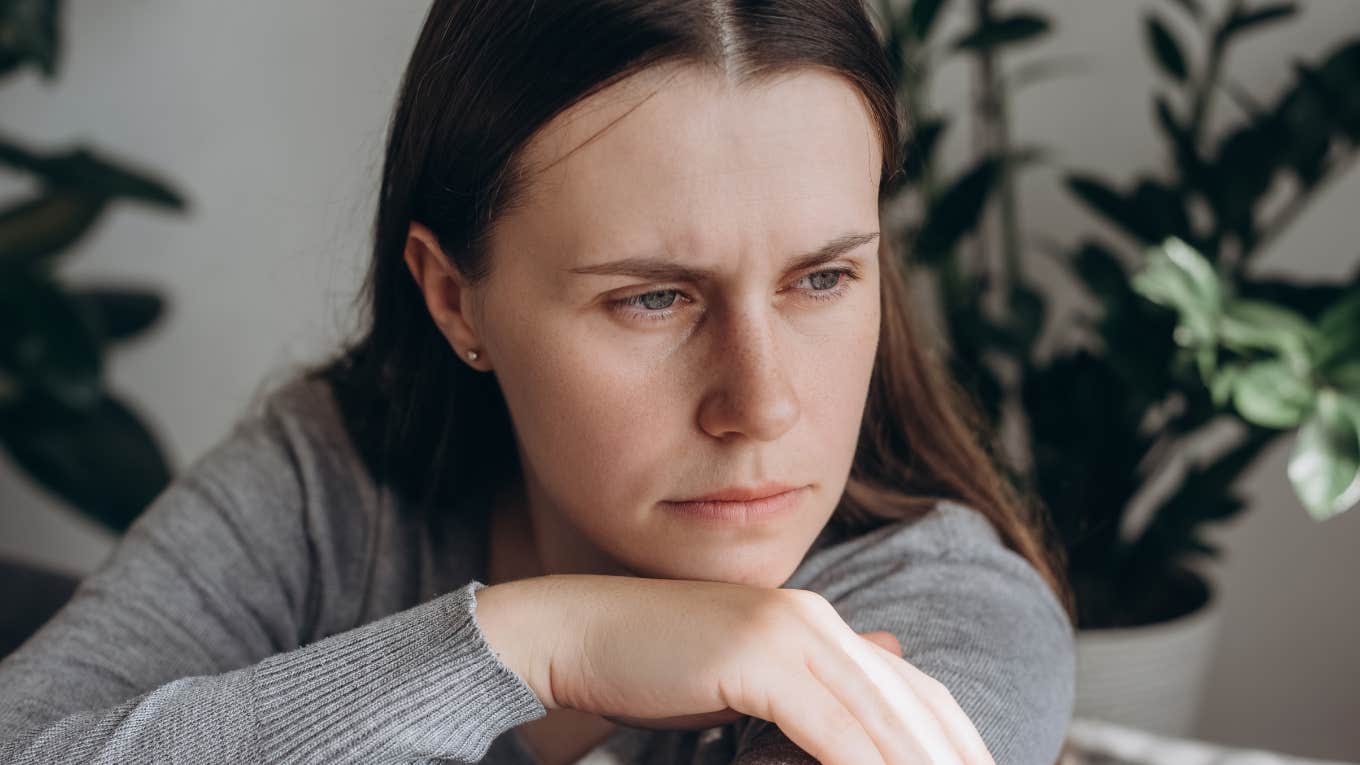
741	493
740	512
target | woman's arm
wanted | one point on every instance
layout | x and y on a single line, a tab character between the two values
187	644
967	611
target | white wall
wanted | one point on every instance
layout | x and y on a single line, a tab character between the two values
270	116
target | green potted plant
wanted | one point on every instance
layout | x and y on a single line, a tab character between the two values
59	421
1284	372
1110	410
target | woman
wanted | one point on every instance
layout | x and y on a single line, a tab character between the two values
628	270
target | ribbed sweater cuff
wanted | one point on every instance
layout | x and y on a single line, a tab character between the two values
419	683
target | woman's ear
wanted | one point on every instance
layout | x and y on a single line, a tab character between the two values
447	295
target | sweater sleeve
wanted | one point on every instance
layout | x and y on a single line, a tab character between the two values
969	612
187	643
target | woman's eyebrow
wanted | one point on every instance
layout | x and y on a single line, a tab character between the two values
662	269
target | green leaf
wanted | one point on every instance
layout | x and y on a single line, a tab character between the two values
1138	338
1084	427
1244	167
43	227
1176	276
970	331
1272	395
94	175
1168	286
1009	30
1243	20
1222	382
29	32
1205	494
120	313
1344	376
1102	273
1206	359
921	148
1247	324
1304	298
1325	466
1308	115
1201	547
923	16
1340	71
47	340
78	185
1162	209
1104	199
1165	50
1149	215
104	461
983	388
956	212
1199	270
1338	330
1188	161
20	158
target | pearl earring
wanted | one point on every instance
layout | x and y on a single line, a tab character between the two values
472	355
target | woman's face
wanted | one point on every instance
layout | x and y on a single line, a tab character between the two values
629	389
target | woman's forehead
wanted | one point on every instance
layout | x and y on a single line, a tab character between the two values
668	150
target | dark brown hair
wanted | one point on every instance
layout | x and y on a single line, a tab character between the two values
485	75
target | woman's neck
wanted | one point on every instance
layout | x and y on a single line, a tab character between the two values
512	553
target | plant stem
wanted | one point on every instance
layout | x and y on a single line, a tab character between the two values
1203	97
984	141
1009	202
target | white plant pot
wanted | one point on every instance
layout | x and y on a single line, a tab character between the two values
1149	677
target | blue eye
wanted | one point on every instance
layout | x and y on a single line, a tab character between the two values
831	284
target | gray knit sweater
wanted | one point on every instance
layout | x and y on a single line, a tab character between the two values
273	605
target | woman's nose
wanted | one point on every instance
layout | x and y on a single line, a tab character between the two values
750	389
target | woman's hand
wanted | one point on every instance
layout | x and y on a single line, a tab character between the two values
683	654
714	719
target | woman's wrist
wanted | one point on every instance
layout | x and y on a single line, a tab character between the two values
511	618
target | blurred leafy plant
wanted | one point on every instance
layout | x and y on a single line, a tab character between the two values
1286	371
58	419
951	210
1106	412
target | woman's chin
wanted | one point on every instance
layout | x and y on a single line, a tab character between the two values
765	577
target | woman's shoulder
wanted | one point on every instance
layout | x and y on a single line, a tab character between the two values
950	526
299	418
947	528
951	547
302	403
283	463
360	514
292	435
284	458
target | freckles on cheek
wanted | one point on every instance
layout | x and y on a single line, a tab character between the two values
607	394
618	441
837	370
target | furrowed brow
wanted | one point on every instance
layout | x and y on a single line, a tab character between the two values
661	269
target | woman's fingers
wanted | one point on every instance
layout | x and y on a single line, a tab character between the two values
811	716
885	639
960	730
681	722
901	724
